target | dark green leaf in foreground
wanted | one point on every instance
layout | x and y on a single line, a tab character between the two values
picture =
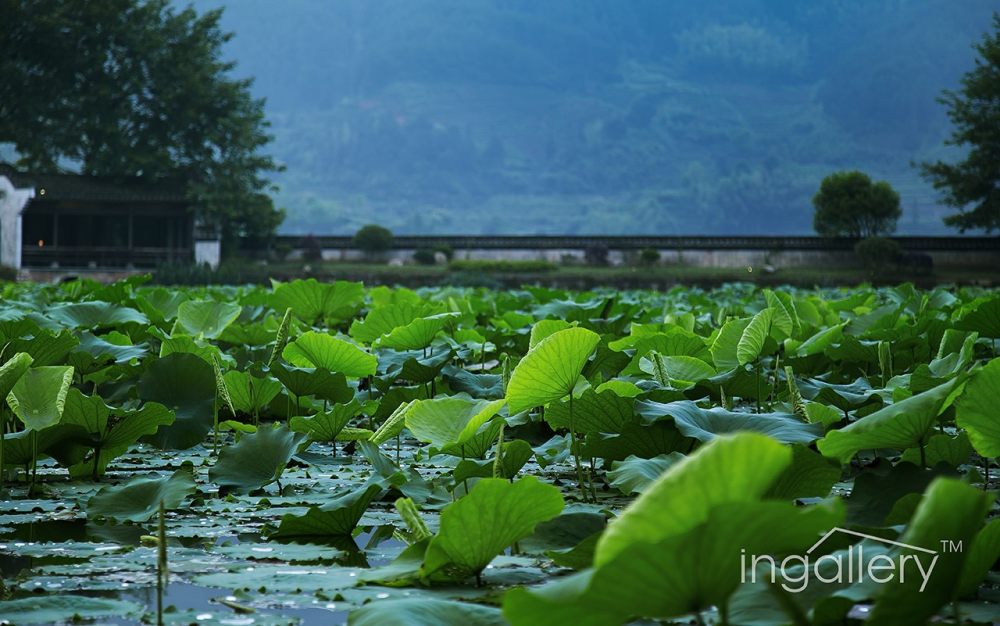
139	499
258	458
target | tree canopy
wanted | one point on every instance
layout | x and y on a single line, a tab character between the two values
850	204
136	88
972	185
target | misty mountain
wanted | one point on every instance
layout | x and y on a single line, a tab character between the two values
588	116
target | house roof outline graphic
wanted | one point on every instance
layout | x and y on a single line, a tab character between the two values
855	533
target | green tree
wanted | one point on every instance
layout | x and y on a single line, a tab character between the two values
973	184
373	240
849	204
123	88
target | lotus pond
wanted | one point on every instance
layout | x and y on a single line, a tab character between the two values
323	453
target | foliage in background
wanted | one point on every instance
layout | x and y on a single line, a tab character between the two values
373	240
850	204
971	185
137	88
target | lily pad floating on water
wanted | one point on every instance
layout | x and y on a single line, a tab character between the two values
138	500
258	458
51	609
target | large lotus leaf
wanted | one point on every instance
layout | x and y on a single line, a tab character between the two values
784	318
139	499
383	320
311	300
410	365
953	451
46	347
726	345
91	427
982	316
679	372
550	371
249	393
488	386
12	371
445	421
313	349
301	381
636	439
821	341
544	328
604	412
185	384
477	445
901	425
336	519
876	491
732	468
753	338
417	334
706	424
425	612
160	305
95	352
392	426
39	395
485	522
326	426
704	567
977	407
205	318
65	608
93	315
844	397
949	511
256	460
635	474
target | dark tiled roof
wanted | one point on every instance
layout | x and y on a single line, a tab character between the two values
93	188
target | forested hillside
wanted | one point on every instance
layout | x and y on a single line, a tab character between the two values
587	116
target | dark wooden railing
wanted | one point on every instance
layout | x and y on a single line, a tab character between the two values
637	242
102	257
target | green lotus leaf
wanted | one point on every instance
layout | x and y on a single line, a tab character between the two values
976	410
728	469
94	315
445	421
320	383
726	345
314	349
706	424
415	335
249	393
335	519
425	612
46	347
949	511
256	460
902	425
326	426
543	328
160	305
185	384
205	318
982	316
821	341
39	395
65	608
635	474
92	429
550	370
979	560
755	335
679	372
13	370
810	475
711	549
593	412
479	526
384	319
139	499
311	300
